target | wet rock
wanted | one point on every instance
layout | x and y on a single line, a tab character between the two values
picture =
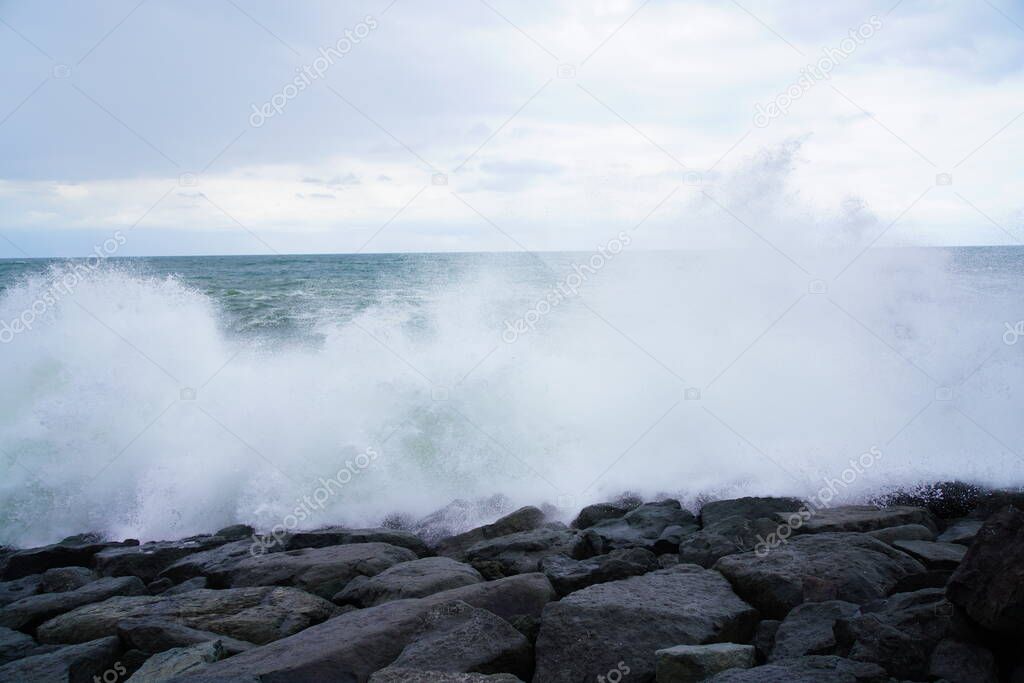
414	579
587	633
523	595
523	519
146	561
568	575
14	645
933	555
694	663
62	579
322	538
76	664
815	568
12	591
962	531
989	583
186	586
904	532
394	675
458	516
258	615
522	552
764	637
725	536
812	669
599	512
321	571
808	629
746	508
861	518
235	532
639	528
178	661
933	578
27	613
959	662
151	635
76	551
212	561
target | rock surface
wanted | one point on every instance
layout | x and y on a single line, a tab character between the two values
861	518
76	664
640	528
29	612
523	519
522	552
814	669
396	675
413	579
177	661
592	514
694	663
932	554
322	538
151	634
747	508
12	591
148	560
808	629
904	532
962	531
568	575
76	551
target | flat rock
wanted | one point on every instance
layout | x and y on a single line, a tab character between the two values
146	561
186	586
150	634
71	552
320	571
962	531
177	661
212	561
860	518
989	583
14	645
812	669
62	579
413	579
640	528
587	633
903	532
568	575
932	554
395	675
694	663
27	613
523	519
76	664
954	660
258	615
12	591
522	552
725	536
322	538
747	508
598	512
815	568
808	629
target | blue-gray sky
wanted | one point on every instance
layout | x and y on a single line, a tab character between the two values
556	124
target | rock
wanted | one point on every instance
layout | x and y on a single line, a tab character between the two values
764	637
587	633
903	532
212	561
160	585
523	595
523	519
236	532
186	586
76	664
151	635
62	579
945	500
27	613
258	615
962	531
959	662
694	663
413	579
989	583
933	578
815	568
12	591
521	552
808	629
393	675
148	560
71	552
322	538
859	518
814	669
725	536
933	555
320	571
639	528
177	661
14	645
747	508
458	516
599	512
568	575
458	638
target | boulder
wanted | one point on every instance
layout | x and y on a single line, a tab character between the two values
522	552
812	669
75	664
587	633
694	663
458	516
235	532
149	634
76	551
962	531
903	532
933	578
815	568
62	579
186	586
960	662
14	645
568	575
258	615
12	591
639	528
989	583
746	508
395	675
413	579
28	613
725	536
146	561
523	595
764	637
932	554
808	629
212	561
599	512
859	518
320	571
523	519
321	538
177	661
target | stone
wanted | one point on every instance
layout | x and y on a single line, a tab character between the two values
258	615
235	532
956	661
725	536
322	538
694	663
639	528
186	586
75	664
62	579
989	583
523	595
903	532
568	575
413	579
458	516
320	571
764	637
178	661
523	519
71	552
933	578
146	561
962	531
395	675
215	560
815	568
150	634
27	613
746	508
14	645
521	552
587	633
811	669
932	554
860	518
808	629
599	512
12	591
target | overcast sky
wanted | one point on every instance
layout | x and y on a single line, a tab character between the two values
472	125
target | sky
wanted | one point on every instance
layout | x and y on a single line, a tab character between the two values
257	127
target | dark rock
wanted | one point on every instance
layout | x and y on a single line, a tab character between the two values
670	538
989	583
235	532
75	664
813	669
725	536
258	615
458	516
933	555
509	598
962	531
521	552
394	675
746	508
160	585
14	645
12	591
599	512
859	518
959	662
148	560
904	532
212	561
933	578
764	637
588	633
994	501
186	586
523	519
639	528
945	500
808	629
321	571
27	613
322	538
568	575
694	663
414	579
61	579
815	568
151	635
71	552
178	661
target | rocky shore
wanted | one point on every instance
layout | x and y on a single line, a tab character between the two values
752	589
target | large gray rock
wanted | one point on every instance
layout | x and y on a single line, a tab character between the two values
695	663
860	518
27	613
149	634
588	633
14	645
568	575
321	571
322	538
747	508
959	662
809	629
12	591
523	595
146	561
523	519
76	551
166	665
522	552
932	554
989	583
725	536
962	531
598	512
642	528
815	568
812	669
258	615
396	675
75	664
62	579
413	579
903	532
211	562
